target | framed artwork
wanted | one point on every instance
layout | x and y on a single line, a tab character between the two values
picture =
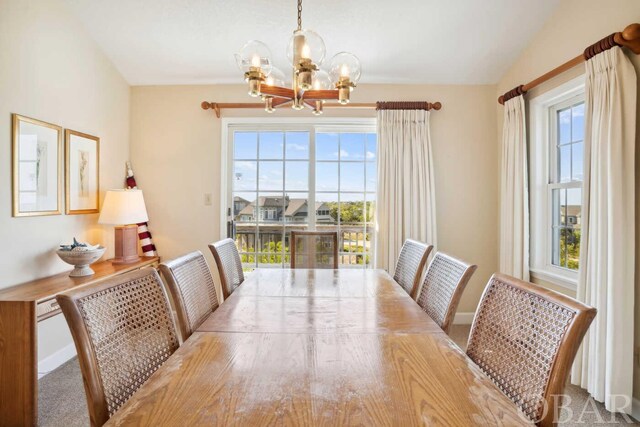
36	166
82	169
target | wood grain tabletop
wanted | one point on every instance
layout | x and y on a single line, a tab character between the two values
331	347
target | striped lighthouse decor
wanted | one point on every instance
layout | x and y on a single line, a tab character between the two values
148	248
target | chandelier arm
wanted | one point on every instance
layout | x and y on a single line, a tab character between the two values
277	91
299	14
320	94
310	104
279	102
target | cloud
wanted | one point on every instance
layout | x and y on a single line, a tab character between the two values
297	147
371	155
343	153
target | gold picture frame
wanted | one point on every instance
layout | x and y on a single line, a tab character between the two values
82	173
36	152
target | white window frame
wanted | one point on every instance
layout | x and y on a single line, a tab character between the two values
310	124
543	133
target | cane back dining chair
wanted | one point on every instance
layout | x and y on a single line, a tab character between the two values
229	265
525	337
442	288
123	331
192	289
410	265
314	249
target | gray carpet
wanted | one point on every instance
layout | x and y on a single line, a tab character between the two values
62	400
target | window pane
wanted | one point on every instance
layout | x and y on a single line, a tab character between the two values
296	176
271	247
351	176
270	208
296	209
372	176
564	163
244	207
577	122
244	175
372	147
297	145
352	146
327	176
564	126
352	209
327	211
577	161
559	197
246	244
326	146
270	176
271	145
245	145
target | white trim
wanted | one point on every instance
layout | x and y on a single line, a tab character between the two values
463	318
539	175
56	360
556	279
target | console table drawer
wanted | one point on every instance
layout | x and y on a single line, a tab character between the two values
46	309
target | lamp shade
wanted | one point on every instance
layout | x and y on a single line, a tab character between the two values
122	207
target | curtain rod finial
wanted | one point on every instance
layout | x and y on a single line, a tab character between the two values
501	99
436	106
630	38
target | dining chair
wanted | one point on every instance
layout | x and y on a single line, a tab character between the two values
314	249
442	288
229	265
123	332
410	265
525	337
192	290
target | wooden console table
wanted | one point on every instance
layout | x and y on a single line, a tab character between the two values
21	307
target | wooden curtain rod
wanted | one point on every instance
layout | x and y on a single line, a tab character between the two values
218	106
629	38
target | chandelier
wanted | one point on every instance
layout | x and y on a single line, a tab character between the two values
311	86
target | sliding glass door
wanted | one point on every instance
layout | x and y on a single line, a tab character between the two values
289	178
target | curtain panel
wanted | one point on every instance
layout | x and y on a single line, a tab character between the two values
514	192
604	365
406	202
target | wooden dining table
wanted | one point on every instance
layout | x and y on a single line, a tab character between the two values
319	347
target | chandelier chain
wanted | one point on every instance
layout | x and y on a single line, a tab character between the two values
299	14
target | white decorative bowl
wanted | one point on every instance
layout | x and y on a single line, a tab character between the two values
81	260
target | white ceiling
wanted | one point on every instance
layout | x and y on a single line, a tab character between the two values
402	41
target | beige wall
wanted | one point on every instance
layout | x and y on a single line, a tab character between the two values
175	149
51	70
575	25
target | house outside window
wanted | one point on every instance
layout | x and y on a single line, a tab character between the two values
290	176
556	179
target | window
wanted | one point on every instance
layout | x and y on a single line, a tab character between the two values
288	177
556	175
565	186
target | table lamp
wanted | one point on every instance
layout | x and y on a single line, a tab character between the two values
124	209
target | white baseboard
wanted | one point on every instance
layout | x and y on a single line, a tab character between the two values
57	359
463	318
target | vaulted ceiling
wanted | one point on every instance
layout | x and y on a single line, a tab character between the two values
402	41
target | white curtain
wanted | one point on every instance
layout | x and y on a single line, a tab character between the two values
406	202
514	193
604	365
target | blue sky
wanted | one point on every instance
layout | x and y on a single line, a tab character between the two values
284	159
571	146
